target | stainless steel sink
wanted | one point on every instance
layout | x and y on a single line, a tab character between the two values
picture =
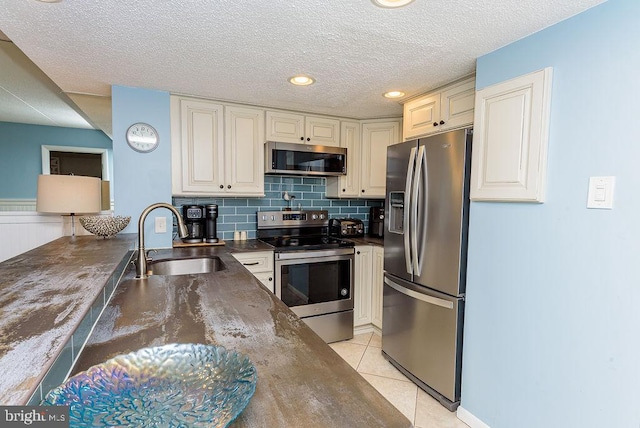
185	266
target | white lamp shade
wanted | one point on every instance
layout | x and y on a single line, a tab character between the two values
68	194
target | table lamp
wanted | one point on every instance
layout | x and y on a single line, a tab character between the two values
68	194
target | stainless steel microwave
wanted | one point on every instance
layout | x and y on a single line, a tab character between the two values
304	159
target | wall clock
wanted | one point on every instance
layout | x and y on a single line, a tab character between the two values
142	137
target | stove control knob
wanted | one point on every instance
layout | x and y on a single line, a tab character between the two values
321	216
264	218
344	292
314	216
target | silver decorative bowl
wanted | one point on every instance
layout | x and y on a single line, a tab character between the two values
104	226
177	385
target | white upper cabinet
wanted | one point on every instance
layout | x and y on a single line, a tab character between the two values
244	151
216	150
449	108
197	163
297	128
285	127
376	137
348	186
366	143
511	129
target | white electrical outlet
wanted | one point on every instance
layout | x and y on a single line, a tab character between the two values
161	224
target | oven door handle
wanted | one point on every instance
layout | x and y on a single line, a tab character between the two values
291	255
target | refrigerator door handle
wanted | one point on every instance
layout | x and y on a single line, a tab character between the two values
415	210
422	297
421	211
408	203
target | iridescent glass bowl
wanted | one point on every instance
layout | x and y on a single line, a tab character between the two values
176	385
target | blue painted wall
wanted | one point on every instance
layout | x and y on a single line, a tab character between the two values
21	155
552	318
240	213
142	178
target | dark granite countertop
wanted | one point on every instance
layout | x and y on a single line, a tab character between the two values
368	240
301	380
248	245
44	295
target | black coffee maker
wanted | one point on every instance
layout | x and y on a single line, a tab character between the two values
376	222
211	219
194	218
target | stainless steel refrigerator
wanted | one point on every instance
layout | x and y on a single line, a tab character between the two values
425	251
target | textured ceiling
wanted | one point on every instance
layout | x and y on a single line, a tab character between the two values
244	51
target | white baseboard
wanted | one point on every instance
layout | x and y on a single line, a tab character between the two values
367	328
468	418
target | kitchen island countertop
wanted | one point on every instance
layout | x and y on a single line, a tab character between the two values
302	382
45	294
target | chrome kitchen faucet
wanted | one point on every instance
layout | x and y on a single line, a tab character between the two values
141	262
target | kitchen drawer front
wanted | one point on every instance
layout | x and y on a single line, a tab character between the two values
256	261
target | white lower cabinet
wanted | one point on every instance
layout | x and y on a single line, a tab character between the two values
376	287
369	273
260	264
362	286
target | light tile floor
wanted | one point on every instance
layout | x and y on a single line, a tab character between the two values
363	353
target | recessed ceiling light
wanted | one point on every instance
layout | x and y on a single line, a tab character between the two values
391	3
301	80
393	94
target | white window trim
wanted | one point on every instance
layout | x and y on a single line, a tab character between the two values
46	156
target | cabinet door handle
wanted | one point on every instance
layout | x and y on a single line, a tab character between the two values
435	123
221	186
357	252
308	139
228	186
344	190
442	122
251	264
362	190
301	138
270	279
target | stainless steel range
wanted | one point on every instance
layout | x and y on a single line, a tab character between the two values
313	271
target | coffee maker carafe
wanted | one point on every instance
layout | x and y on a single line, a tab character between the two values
193	216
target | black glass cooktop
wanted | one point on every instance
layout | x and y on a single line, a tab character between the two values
313	242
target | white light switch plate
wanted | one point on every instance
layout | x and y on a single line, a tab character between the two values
600	194
161	224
